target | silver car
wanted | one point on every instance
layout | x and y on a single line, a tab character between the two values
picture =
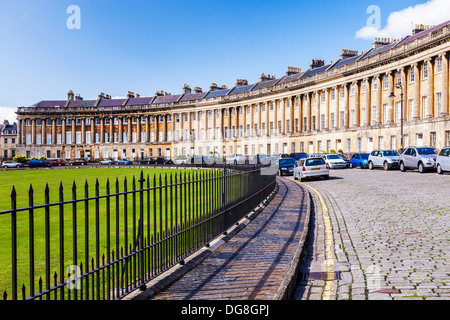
335	161
311	167
11	164
443	160
386	159
421	158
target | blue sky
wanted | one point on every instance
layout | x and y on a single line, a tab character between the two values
145	46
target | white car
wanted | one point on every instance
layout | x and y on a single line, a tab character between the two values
311	167
106	162
182	160
236	159
443	160
11	164
335	161
386	159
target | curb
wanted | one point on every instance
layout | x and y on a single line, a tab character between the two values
169	277
289	282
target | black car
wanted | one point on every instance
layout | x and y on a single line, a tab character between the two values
161	160
298	156
147	161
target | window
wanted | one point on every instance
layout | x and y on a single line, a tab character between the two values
425	71
375	85
58	138
385	82
433	139
398	111
439	65
398	78
385	112
49	138
374	114
78	137
411	75
333	94
78	121
352	89
97	137
424	106
438	104
38	138
107	137
313	122
68	122
322	121
410	109
352	118
342	119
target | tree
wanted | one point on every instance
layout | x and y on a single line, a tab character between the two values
20	159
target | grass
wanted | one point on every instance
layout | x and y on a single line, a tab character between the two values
120	227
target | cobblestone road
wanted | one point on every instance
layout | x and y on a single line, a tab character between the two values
378	235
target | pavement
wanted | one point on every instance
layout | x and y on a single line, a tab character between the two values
259	261
361	235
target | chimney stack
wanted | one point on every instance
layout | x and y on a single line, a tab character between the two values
292	70
198	90
241	82
130	95
266	78
187	89
70	95
348	54
316	63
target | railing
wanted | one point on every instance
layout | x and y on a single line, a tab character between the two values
103	247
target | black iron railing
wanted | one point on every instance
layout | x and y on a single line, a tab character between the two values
104	246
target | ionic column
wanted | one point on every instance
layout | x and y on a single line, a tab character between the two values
63	131
121	130
445	105
346	106
102	130
378	99
430	88
53	131
129	134
368	103
138	129
83	131
390	101
357	104
417	100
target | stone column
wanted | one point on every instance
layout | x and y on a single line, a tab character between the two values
43	131
404	77
346	106
147	129
33	131
63	131
111	129
357	104
378	99
368	103
121	130
74	131
417	81
430	88
390	101
138	129
102	130
129	131
83	131
445	84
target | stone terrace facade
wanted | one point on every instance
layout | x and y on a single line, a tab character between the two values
345	105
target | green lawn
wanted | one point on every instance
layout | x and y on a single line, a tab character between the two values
121	229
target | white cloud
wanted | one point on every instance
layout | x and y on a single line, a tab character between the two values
400	23
8	113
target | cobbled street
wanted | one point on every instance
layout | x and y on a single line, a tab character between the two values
378	235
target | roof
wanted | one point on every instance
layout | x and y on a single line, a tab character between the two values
193	96
139	101
217	93
236	90
111	102
265	84
82	103
423	33
292	77
167	99
50	104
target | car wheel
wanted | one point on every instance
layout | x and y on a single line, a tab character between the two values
351	165
370	165
439	169
402	167
421	167
386	166
361	166
302	179
327	177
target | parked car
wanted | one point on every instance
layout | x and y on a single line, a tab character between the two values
57	162
263	159
11	164
182	160
359	160
386	159
311	167
147	161
299	155
106	162
79	162
280	155
236	159
421	158
162	160
334	161
443	160
38	164
345	158
286	166
124	162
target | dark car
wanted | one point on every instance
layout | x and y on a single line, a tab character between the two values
147	161
286	166
39	164
298	156
345	158
124	162
56	162
161	160
79	162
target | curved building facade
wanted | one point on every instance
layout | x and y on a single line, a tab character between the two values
362	101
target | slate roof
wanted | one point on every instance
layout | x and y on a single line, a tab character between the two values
139	101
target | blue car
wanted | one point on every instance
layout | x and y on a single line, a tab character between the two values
123	161
359	160
298	156
286	166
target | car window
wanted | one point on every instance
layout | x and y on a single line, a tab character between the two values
413	152
333	156
356	156
426	150
287	161
315	162
365	156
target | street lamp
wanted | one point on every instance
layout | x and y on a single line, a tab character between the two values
392	96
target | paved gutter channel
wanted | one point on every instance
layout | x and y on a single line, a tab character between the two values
258	259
